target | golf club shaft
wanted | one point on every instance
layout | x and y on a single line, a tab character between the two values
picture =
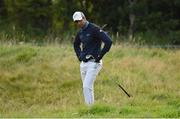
118	85
123	90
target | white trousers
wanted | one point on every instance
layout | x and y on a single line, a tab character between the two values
89	71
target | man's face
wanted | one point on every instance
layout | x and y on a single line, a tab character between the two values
80	23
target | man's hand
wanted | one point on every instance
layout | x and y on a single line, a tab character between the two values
79	59
98	59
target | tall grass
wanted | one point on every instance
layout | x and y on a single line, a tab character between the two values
44	81
11	34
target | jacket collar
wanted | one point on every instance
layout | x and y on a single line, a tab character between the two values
85	26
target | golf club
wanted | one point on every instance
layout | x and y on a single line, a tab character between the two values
123	90
109	77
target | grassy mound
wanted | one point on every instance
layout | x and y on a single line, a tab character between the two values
45	82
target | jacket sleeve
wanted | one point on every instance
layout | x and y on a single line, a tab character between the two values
77	48
103	36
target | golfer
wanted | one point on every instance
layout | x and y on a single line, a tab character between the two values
87	46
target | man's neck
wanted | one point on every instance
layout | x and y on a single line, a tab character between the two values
85	25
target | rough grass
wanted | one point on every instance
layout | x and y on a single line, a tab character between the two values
45	82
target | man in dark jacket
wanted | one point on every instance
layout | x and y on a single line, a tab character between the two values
87	46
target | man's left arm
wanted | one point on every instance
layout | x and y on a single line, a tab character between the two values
107	43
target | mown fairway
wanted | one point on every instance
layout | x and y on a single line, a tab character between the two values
45	82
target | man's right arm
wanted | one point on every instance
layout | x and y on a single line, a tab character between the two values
77	47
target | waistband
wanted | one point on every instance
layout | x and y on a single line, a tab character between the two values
92	60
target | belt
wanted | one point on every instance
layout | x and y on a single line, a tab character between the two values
90	58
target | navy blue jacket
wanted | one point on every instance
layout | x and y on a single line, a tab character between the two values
88	42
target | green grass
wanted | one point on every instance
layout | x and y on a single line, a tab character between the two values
44	81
